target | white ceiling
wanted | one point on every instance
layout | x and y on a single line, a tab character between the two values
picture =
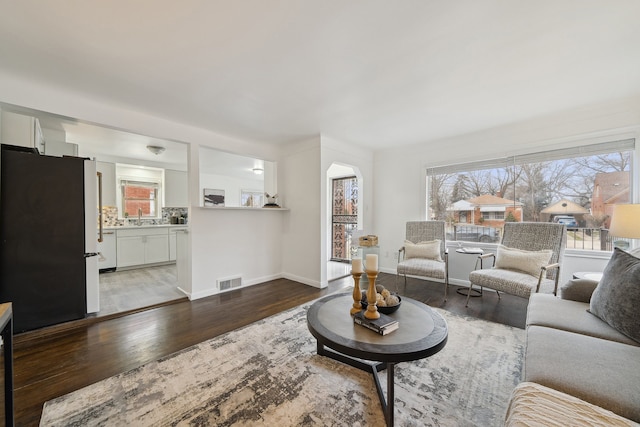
377	73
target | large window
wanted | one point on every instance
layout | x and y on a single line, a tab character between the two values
576	186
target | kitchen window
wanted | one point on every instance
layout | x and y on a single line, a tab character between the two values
580	183
140	196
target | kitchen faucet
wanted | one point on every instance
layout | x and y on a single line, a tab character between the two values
139	216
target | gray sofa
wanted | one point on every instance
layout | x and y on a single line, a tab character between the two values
578	367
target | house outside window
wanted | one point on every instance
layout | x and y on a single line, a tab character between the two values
581	184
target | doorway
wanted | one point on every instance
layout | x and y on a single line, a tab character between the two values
126	290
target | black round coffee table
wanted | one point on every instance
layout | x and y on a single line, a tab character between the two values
422	333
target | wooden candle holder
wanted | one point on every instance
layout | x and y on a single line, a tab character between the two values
357	293
372	308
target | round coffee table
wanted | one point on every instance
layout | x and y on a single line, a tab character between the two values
422	333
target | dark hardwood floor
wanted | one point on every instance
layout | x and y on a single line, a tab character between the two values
55	361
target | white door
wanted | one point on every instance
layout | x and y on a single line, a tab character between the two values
90	230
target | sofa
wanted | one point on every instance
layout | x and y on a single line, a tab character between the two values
582	355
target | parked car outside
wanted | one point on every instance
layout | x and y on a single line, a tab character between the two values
474	233
567	220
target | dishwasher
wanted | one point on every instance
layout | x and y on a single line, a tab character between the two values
107	249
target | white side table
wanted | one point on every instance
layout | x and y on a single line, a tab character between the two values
588	275
470	251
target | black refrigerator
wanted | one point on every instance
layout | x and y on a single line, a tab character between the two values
46	237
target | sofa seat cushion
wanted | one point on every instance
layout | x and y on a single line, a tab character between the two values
547	310
422	267
510	281
602	372
533	404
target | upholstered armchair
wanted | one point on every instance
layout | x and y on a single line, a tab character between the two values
424	253
527	261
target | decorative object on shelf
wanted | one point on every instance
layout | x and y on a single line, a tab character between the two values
271	201
369	240
213	197
625	224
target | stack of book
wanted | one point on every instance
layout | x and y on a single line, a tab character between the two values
383	325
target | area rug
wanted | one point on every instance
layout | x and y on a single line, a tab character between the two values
269	374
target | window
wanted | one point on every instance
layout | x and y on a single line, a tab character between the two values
492	215
580	184
140	196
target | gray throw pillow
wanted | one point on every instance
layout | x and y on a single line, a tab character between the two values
617	296
578	290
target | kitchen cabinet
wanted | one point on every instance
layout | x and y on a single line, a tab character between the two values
108	182
140	246
176	186
18	129
173	242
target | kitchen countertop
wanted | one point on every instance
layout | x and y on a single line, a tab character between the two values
126	227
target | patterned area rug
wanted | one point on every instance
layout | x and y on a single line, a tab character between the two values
268	374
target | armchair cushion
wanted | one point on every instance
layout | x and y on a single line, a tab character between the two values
617	296
528	262
511	282
427	250
422	267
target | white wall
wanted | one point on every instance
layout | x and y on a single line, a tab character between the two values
399	193
299	184
339	152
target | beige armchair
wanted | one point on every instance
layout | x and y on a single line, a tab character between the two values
527	261
424	253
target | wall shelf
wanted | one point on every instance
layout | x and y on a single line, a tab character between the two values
240	208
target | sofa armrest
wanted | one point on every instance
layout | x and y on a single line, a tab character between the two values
578	290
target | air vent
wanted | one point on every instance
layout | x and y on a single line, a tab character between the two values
233	282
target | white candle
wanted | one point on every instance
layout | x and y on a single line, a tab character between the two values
372	262
356	265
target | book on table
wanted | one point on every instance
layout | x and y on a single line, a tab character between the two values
383	325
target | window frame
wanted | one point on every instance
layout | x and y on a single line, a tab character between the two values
606	145
141	182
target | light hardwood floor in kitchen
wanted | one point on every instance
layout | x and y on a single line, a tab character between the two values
127	290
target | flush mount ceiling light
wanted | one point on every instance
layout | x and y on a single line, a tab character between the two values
258	171
155	149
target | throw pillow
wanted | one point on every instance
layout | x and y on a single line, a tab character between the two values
578	290
617	296
428	250
526	261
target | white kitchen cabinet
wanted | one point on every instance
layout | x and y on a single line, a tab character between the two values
173	242
140	246
176	186
108	182
18	129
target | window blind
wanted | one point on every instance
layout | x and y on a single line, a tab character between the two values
542	156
